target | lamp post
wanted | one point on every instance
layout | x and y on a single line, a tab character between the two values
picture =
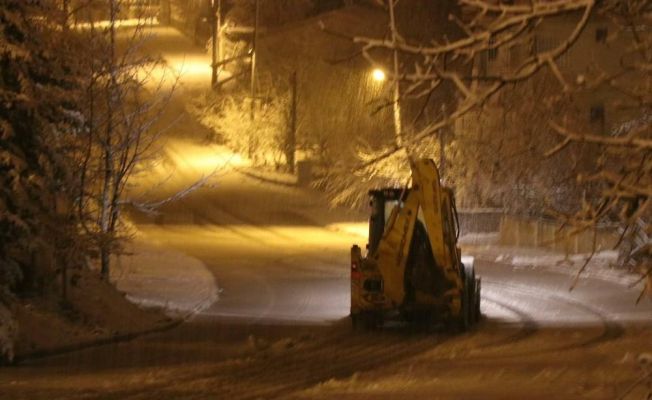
442	144
254	41
253	77
398	130
379	75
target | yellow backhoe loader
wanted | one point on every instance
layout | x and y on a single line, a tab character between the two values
413	268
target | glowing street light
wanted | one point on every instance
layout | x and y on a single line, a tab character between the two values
378	75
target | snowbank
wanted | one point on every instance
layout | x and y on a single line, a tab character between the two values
8	331
147	280
156	277
602	265
95	311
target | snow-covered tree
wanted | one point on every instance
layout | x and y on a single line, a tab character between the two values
260	132
39	119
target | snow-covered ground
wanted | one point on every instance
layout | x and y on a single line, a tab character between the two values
95	312
601	265
153	276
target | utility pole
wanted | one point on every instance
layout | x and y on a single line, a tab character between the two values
66	14
252	93
214	31
253	58
292	131
396	97
216	15
442	145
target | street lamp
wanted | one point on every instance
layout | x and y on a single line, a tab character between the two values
378	75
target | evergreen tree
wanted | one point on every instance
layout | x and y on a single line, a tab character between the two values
38	123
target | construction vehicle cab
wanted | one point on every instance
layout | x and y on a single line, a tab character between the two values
413	267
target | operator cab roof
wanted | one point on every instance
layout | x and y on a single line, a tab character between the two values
390	193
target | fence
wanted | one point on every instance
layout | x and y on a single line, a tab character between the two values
482	220
520	231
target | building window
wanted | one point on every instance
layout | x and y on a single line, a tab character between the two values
492	52
601	35
482	65
534	45
597	119
597	113
541	44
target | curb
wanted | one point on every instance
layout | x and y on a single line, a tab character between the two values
93	343
125	337
624	279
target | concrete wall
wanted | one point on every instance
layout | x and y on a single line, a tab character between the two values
518	231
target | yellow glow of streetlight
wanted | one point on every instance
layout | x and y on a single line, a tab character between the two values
378	75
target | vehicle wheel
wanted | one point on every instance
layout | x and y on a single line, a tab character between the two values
471	294
478	286
472	300
365	320
465	319
355	322
373	321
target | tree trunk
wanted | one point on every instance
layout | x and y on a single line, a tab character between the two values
105	262
107	197
396	92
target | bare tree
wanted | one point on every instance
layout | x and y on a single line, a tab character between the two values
126	96
610	160
621	177
493	26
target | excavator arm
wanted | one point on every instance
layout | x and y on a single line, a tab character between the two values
393	249
424	204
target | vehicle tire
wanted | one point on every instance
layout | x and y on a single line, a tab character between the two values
478	287
355	322
470	297
465	319
366	320
373	321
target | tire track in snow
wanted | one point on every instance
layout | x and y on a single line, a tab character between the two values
528	326
320	366
530	329
611	329
268	376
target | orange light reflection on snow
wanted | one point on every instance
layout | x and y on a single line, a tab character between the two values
229	236
120	23
197	65
353	228
203	158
